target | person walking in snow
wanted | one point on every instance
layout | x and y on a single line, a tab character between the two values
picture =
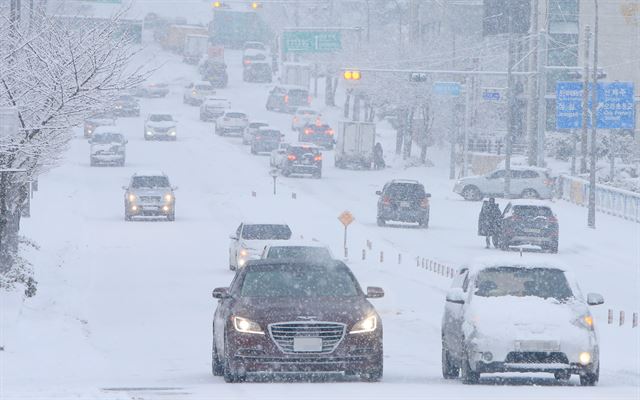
378	157
489	221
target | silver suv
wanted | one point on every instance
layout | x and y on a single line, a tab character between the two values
511	317
149	194
526	182
108	146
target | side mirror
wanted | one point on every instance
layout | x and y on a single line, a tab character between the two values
456	296
174	188
90	141
374	292
220	293
233	237
126	141
595	299
125	188
427	195
379	192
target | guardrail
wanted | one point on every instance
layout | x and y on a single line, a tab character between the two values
609	200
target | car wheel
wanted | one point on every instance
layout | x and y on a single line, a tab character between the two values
127	217
424	223
374	375
317	175
285	172
232	267
92	163
590	378
253	151
171	217
381	221
529	194
469	376
449	370
217	368
471	193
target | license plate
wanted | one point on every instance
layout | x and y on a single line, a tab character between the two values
531	230
405	204
307	344
150	208
306	161
537	345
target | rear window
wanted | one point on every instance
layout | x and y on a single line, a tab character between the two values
160	117
522	282
307	253
257	124
532	211
405	191
271	133
235	115
304	150
266	232
298	95
204	87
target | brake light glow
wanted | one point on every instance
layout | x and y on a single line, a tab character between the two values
318	157
330	132
307	131
386	201
424	203
291	157
247	62
308	99
286	99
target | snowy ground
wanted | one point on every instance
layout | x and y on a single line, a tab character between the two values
124	309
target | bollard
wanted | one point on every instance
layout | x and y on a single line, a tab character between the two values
430	265
610	317
253	194
369	244
621	318
418	262
447	275
381	256
399	258
294	196
424	265
364	254
634	320
346	252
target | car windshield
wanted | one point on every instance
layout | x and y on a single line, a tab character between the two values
107	138
530	212
308	253
522	282
270	133
298	96
257	125
150	182
298	281
127	98
204	87
235	115
405	191
266	232
160	117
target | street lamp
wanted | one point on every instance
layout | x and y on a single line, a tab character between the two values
274	174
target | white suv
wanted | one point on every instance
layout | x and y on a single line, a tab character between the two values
196	92
232	122
249	240
526	182
515	317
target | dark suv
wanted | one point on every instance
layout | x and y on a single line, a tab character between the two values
404	201
266	140
297	158
320	134
528	223
287	99
281	316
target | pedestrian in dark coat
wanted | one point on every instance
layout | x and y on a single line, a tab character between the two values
489	221
378	157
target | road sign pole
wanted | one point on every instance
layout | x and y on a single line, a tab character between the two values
467	123
344	245
591	217
509	136
585	103
542	101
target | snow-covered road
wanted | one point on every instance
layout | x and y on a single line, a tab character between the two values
124	309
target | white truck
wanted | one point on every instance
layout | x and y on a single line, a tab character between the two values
354	144
195	47
297	74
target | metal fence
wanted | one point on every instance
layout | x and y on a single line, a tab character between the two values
617	202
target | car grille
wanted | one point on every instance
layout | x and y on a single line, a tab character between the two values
283	333
536	357
150	199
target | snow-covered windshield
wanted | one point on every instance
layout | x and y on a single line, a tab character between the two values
160	117
266	232
298	282
532	211
522	282
235	115
405	191
204	87
269	133
299	252
149	182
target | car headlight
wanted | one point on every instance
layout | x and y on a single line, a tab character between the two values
584	321
132	197
172	131
246	326
368	324
584	358
149	132
244	253
168	197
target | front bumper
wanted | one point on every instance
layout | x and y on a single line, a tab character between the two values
144	210
153	134
107	158
232	130
304	168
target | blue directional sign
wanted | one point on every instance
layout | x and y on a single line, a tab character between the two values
491	94
446	89
615	105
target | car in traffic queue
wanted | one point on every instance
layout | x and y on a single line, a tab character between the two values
288	98
250	56
298	159
151	90
107	147
126	105
525	182
231	123
266	140
250	238
318	133
213	107
519	316
292	316
215	72
528	222
196	92
403	200
303	116
106	118
252	130
149	195
253	45
160	127
297	250
257	71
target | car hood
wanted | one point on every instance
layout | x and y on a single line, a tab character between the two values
257	244
100	121
161	124
106	146
344	310
511	317
151	192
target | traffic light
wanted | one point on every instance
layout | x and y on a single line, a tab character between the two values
217	4
255	5
351	75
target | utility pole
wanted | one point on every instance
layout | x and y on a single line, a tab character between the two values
585	102
509	136
591	218
541	125
533	80
467	123
368	23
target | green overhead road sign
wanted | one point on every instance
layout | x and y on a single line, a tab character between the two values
103	1
311	41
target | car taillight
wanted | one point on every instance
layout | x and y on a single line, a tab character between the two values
330	132
247	62
552	219
308	99
548	182
386	201
318	158
307	131
291	157
258	137
295	119
424	203
286	99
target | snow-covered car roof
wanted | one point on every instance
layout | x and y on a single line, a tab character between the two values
292	87
235	110
528	260
203	83
216	99
107	129
305	144
258	122
297	243
268	128
149	173
528	202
